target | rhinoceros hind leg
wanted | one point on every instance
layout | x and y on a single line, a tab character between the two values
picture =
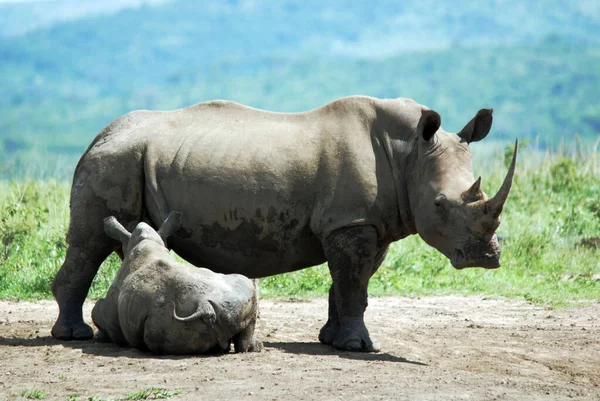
88	244
353	255
70	287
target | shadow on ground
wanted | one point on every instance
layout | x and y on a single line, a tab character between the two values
314	348
94	348
110	349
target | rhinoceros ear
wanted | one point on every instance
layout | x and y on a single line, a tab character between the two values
115	230
172	223
478	127
429	124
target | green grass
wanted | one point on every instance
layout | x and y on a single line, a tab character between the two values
35	394
152	393
554	204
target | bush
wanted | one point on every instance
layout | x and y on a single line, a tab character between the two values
564	176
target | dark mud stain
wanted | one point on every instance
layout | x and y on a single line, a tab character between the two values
272	215
183	233
291	224
245	237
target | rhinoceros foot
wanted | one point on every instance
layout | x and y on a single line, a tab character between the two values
355	337
329	331
72	331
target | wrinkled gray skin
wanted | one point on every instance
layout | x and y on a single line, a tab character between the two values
166	307
265	193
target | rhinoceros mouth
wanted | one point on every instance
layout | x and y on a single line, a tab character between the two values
487	261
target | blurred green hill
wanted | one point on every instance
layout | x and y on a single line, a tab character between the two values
536	63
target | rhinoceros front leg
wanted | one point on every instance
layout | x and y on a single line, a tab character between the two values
330	330
353	255
245	341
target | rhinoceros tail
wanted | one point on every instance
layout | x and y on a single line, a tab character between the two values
205	312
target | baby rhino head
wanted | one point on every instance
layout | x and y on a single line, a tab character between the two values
142	232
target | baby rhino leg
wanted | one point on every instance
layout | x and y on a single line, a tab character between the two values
245	341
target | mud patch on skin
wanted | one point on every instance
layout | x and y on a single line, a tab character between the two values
252	237
246	236
183	233
252	248
272	215
291	224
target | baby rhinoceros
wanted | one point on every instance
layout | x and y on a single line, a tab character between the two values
166	307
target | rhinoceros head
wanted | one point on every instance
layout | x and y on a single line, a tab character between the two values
451	211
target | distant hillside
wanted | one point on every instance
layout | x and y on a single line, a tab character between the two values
62	84
355	28
21	16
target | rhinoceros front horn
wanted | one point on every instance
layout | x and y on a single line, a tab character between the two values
496	204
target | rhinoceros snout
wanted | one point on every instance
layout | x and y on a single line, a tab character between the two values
478	254
487	261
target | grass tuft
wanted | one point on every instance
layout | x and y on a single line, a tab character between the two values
152	393
35	394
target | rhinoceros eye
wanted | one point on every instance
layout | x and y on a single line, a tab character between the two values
440	200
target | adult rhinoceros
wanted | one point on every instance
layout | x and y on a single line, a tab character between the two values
265	193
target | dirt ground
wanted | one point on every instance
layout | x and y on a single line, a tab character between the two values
434	348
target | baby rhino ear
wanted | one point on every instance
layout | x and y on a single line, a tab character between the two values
478	127
115	230
171	224
428	124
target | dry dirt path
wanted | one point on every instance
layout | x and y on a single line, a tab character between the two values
434	348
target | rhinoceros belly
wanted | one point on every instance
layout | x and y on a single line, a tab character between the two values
249	249
253	227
